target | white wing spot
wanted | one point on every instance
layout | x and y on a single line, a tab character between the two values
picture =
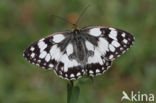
113	33
58	38
90	71
62	68
125	41
112	29
89	45
69	49
116	52
51	65
111	48
115	43
97	70
123	34
78	74
111	56
121	48
102	45
32	48
72	75
55	53
42	45
43	54
32	55
95	32
39	61
47	58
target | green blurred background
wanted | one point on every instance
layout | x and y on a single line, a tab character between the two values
24	21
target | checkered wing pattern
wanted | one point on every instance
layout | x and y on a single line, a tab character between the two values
88	51
111	43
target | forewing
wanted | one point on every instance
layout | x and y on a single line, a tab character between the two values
53	52
46	52
110	43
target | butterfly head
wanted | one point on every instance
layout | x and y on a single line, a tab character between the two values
75	25
75	28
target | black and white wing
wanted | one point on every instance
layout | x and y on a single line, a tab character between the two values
52	52
111	43
101	44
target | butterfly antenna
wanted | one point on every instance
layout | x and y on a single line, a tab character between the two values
81	14
62	19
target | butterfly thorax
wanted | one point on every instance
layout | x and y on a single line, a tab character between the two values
78	39
78	42
76	32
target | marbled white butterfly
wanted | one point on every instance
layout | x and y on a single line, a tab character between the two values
87	51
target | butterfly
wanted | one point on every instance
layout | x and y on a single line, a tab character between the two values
72	54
